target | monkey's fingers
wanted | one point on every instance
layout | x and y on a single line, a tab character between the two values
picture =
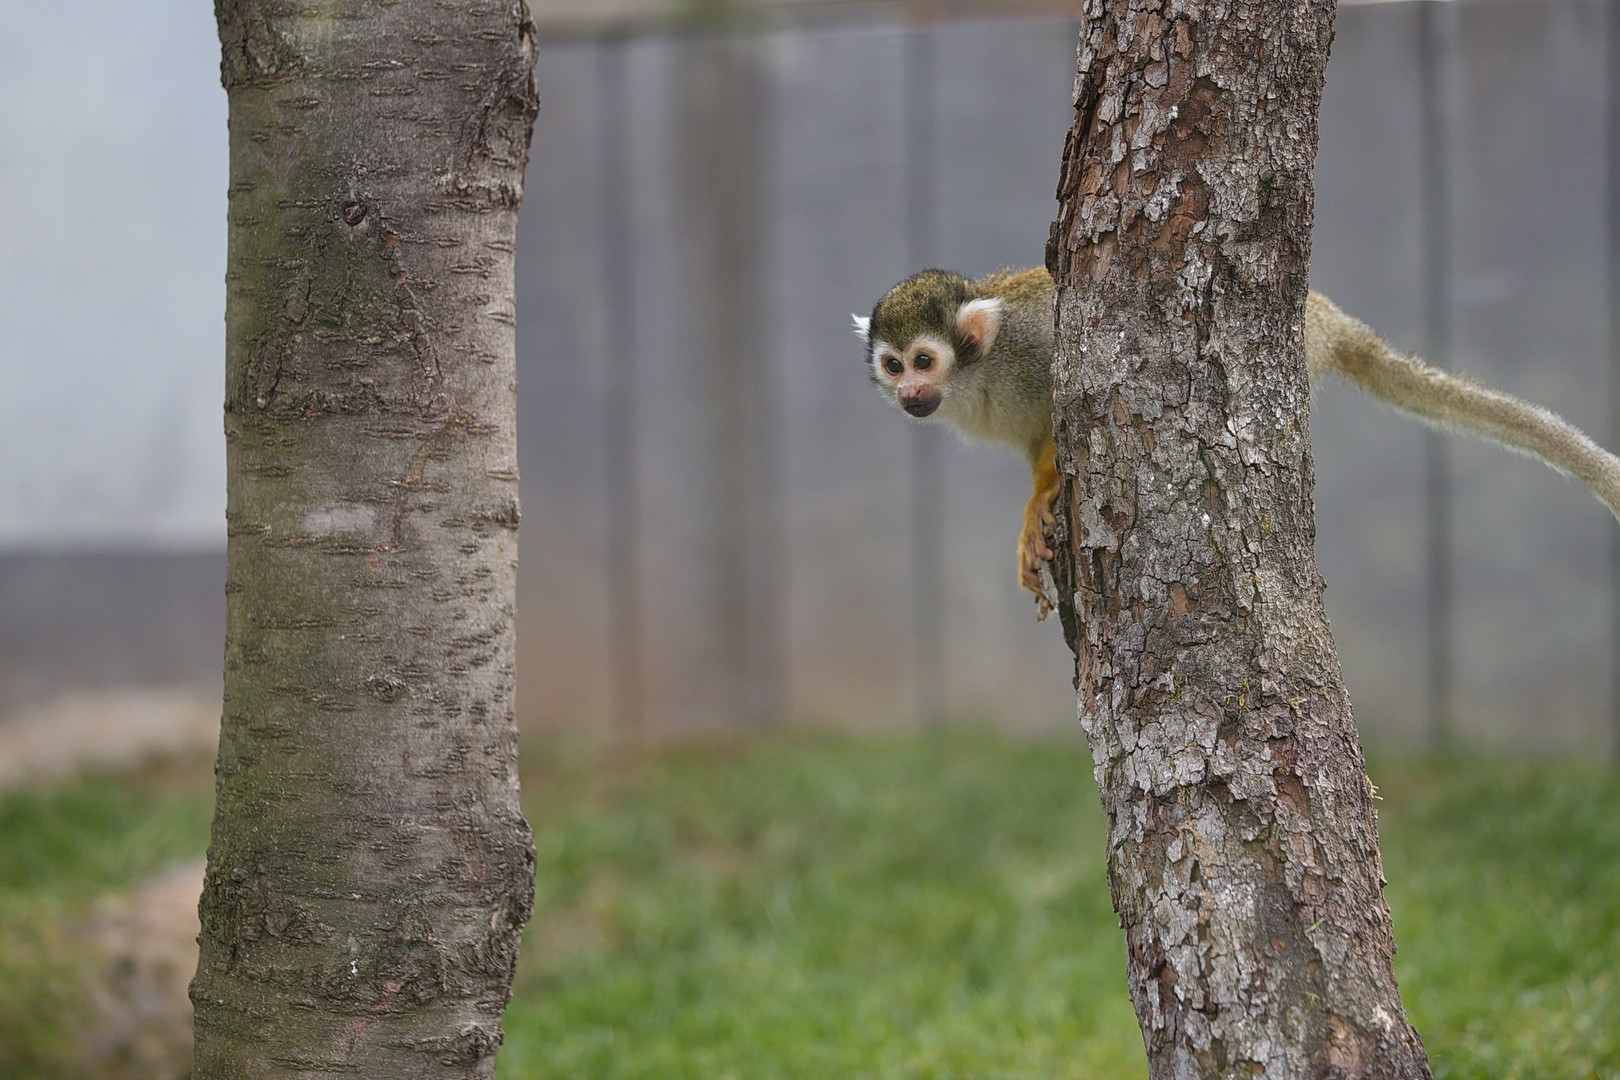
1032	551
1038	524
1048	525
1032	554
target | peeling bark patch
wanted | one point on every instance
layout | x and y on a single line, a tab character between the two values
248	909
339	519
1343	1049
505	515
473	1044
493	144
1291	791
348	307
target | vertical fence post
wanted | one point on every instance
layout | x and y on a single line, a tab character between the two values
1611	735
767	672
1439	51
927	443
718	200
626	699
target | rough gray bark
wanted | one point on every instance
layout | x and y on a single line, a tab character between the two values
1242	840
370	870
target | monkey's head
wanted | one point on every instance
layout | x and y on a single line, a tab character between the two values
925	337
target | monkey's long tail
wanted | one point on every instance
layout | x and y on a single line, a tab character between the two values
1338	343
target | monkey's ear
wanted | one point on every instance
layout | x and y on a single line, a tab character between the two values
976	324
863	328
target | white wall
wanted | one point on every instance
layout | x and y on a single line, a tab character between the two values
112	262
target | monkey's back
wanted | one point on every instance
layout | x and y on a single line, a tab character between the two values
1018	287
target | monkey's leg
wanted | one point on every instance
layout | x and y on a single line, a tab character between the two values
1033	550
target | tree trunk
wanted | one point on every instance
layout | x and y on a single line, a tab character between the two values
370	870
1242	840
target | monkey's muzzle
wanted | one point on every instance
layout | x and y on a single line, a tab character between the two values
922	403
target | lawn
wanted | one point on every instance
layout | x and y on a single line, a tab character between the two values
60	848
808	907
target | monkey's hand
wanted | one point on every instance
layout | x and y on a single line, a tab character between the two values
1033	550
1033	553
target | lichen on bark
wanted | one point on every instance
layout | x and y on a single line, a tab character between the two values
1242	840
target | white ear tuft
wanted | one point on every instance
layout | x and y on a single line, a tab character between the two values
863	328
978	321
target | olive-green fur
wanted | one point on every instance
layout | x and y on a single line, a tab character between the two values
1004	395
924	303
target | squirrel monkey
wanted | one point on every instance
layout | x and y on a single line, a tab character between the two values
978	355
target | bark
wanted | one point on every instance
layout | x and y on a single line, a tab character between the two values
370	870
1242	840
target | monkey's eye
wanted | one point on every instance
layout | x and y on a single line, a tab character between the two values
923	362
892	365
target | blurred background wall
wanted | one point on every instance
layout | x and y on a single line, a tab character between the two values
724	525
112	263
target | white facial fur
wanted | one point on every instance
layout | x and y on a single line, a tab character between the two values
895	385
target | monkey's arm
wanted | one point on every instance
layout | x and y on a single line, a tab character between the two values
1033	550
1347	347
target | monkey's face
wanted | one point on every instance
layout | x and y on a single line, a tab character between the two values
915	376
941	341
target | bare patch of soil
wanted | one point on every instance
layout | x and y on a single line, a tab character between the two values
143	951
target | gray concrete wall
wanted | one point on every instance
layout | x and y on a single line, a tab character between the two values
1532	574
821	558
1527	301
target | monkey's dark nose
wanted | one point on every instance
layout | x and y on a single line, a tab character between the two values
920	405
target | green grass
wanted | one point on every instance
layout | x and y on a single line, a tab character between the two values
822	908
813	907
60	848
100	832
867	908
1505	887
